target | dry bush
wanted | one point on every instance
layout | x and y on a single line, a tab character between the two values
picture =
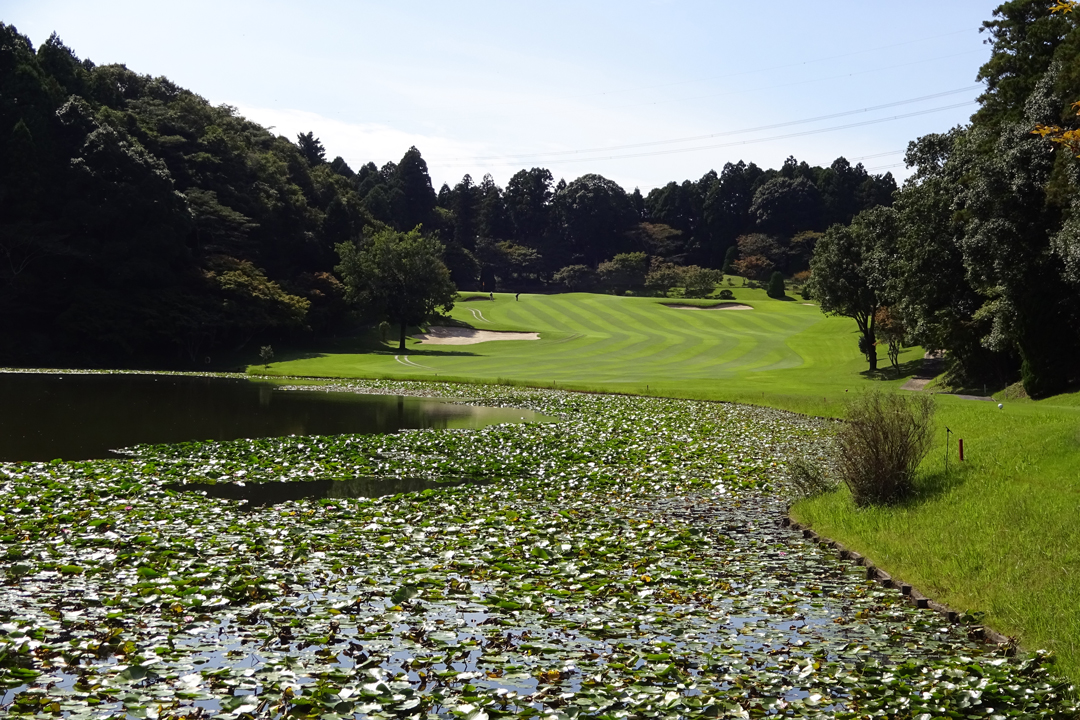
885	438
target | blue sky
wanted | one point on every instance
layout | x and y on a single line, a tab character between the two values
640	91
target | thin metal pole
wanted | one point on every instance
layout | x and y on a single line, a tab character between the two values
948	441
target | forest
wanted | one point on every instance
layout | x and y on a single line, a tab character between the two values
979	255
142	226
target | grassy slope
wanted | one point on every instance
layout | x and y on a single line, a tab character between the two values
997	535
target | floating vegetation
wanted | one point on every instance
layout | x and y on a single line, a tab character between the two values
626	561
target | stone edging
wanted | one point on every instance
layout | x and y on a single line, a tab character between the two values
911	595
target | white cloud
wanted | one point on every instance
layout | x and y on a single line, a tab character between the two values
360	143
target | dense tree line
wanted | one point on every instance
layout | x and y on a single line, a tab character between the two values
980	254
139	224
529	231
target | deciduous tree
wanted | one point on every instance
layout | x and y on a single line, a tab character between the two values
576	278
699	281
888	326
663	276
625	271
399	276
598	215
785	207
844	277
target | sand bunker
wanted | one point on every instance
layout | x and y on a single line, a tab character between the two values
720	306
440	335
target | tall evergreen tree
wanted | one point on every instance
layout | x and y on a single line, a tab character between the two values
311	148
412	179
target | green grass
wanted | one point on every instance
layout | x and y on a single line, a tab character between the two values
782	353
998	535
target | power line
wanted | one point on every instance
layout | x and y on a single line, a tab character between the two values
884	154
778	137
745	142
886	167
804	133
526	156
791	84
771	67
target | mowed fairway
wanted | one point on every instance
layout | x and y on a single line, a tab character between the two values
628	344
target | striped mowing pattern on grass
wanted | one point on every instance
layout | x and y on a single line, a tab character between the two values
625	343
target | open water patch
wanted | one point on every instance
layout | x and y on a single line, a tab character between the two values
82	416
261	494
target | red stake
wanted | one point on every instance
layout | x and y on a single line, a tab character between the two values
961	449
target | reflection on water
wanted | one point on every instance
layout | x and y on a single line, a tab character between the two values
272	493
80	417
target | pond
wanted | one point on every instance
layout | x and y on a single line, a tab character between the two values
87	416
625	562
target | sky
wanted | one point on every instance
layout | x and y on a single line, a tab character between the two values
643	92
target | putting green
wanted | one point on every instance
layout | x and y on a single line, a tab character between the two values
628	344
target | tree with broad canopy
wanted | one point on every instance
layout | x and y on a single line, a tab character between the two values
846	271
398	276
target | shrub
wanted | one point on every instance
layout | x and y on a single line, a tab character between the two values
726	294
700	281
729	258
880	446
776	286
625	271
663	276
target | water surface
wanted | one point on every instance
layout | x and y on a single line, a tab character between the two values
261	494
86	416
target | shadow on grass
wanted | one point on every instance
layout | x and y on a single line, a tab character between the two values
930	486
979	390
908	369
422	352
378	349
298	355
363	344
